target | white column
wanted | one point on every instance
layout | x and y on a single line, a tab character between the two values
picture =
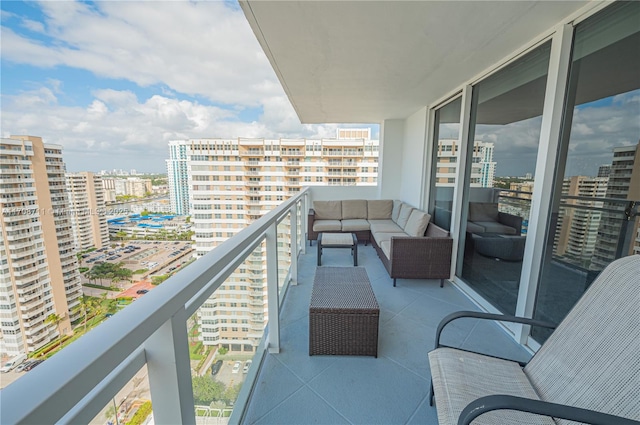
167	352
294	243
273	337
552	115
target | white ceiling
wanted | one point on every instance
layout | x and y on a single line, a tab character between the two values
366	61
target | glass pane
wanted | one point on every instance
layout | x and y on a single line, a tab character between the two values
134	399
598	172
506	115
446	156
224	334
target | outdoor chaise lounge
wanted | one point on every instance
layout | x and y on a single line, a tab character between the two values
588	371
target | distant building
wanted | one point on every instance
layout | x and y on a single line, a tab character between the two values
483	167
604	170
38	265
177	177
87	203
624	184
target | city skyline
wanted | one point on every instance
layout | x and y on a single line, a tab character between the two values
109	83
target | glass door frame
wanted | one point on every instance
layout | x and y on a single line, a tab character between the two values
555	92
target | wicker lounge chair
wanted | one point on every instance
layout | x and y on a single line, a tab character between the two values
588	371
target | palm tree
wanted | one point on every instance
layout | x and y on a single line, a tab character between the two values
55	319
86	305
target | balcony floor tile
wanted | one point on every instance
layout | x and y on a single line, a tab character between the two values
293	387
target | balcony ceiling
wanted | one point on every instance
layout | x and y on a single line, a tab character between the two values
366	61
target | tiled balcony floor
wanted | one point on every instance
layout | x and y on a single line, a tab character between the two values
294	388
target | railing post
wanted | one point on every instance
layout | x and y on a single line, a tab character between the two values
294	243
303	220
271	241
167	352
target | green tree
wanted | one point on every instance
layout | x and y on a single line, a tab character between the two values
206	390
144	213
84	307
55	319
121	234
231	393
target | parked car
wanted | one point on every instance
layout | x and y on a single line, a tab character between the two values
246	367
216	367
13	363
142	291
32	365
236	367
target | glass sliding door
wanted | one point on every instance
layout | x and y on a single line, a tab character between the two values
504	133
444	166
597	177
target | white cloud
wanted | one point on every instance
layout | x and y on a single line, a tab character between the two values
196	48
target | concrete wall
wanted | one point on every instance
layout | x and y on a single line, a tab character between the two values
390	159
412	170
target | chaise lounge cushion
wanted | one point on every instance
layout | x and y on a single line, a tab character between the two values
386	236
354	225
354	209
327	226
417	223
328	210
403	216
495	227
466	376
379	209
378	226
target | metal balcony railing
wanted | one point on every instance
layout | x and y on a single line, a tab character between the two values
75	384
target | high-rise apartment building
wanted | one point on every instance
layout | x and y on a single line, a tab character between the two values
177	177
483	168
87	203
233	182
578	222
38	266
624	184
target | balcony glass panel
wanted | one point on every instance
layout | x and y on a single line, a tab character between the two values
133	400
506	115
284	252
446	157
598	169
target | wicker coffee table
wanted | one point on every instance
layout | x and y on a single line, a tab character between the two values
338	240
343	313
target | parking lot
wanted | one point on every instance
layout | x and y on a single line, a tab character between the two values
226	374
155	257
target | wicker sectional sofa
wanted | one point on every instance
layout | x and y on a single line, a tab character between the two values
408	244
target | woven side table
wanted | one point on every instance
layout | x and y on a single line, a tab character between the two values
343	314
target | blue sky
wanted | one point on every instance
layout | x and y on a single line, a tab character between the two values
114	81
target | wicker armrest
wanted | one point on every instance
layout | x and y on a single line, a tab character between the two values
420	257
539	407
511	221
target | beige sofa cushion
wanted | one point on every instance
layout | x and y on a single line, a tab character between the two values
327	226
417	223
328	210
384	236
495	227
384	226
379	209
395	212
483	211
403	217
354	225
354	208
